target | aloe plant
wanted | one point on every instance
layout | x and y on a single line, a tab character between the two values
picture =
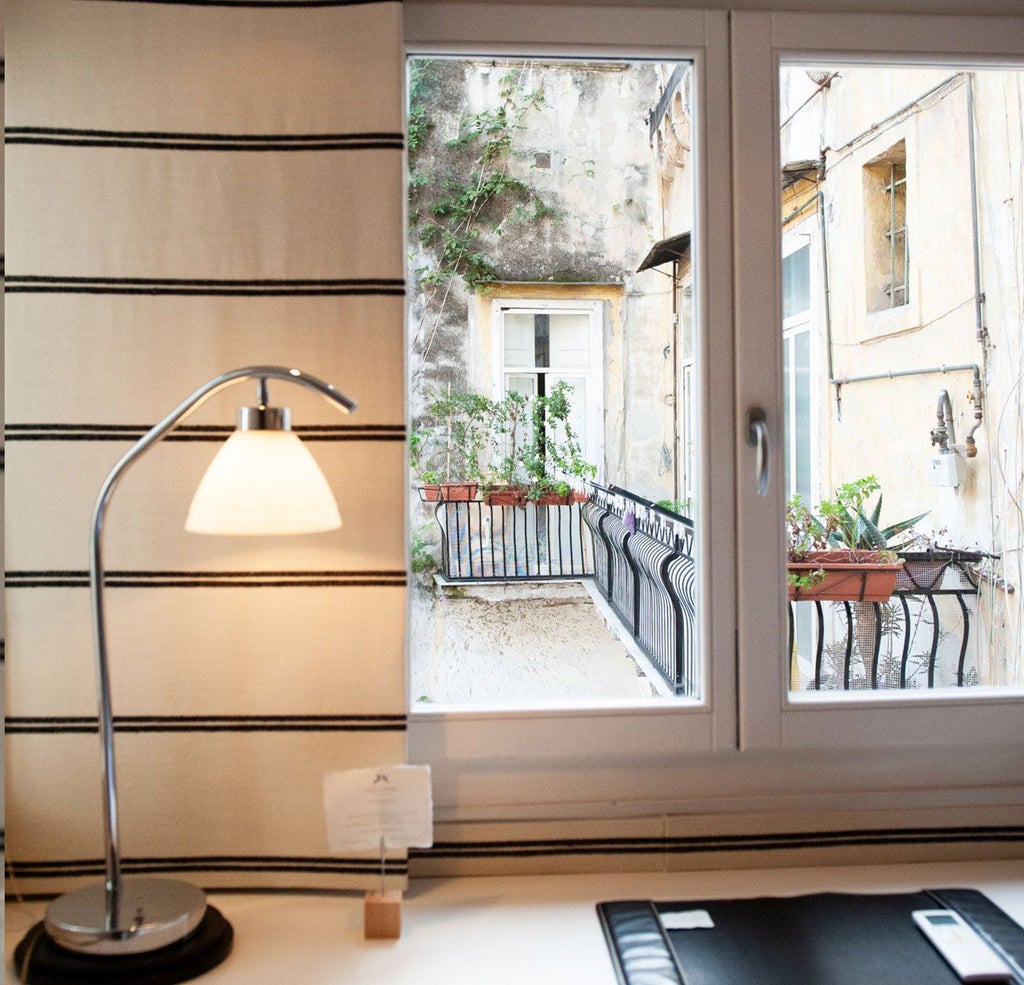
849	525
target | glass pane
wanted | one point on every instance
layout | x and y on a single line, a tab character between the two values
570	341
552	333
904	415
796	282
520	343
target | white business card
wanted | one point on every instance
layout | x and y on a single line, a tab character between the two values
389	806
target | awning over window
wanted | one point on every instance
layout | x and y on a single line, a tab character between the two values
665	251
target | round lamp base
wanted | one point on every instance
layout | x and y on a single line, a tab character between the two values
39	960
148	914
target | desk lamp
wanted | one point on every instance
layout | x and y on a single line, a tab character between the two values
262	481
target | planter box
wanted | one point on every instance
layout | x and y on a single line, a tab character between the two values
850	576
518	496
448	492
506	496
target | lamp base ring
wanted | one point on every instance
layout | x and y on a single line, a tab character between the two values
39	960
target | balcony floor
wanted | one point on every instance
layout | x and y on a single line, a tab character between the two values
516	643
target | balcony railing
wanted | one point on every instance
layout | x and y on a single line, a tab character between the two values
641	559
508	543
924	637
644	568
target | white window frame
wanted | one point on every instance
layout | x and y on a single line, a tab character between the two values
749	748
493	762
971	733
594	450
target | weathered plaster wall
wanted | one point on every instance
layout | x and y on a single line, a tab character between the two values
586	152
882	427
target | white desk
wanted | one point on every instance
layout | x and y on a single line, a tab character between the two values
523	930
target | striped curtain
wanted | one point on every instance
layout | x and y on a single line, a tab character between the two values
195	186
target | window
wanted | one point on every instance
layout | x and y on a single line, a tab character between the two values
886	240
796	367
752	744
543	342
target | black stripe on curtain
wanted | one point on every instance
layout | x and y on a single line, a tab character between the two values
208	863
49	284
203	141
209	579
718	843
65	725
212	433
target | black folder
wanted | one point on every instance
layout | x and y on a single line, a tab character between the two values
824	939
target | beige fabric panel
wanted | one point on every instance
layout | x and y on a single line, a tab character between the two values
193	188
183	68
185	802
205	214
306	650
52	486
85	342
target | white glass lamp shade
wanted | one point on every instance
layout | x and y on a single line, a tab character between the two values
263	482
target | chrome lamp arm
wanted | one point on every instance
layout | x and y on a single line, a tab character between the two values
115	927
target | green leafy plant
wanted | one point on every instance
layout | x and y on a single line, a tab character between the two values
509	422
535	444
849	526
464	191
448	444
844	523
684	507
421	556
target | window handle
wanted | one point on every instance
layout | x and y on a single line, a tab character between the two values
757	435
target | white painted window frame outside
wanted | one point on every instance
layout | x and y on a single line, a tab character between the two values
794	239
594	373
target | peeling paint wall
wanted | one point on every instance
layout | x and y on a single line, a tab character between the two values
881	427
588	154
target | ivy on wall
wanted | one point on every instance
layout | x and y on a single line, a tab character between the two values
463	193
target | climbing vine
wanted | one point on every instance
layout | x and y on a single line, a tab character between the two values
463	192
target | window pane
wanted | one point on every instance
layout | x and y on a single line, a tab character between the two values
904	434
796	282
554	355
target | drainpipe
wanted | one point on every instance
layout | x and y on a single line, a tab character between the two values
979	300
675	381
979	297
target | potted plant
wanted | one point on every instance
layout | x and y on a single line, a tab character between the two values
445	454
842	553
537	451
508	423
553	454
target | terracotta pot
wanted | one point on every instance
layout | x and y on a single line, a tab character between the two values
448	492
850	576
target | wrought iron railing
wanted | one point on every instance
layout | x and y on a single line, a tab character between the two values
924	636
644	569
508	543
